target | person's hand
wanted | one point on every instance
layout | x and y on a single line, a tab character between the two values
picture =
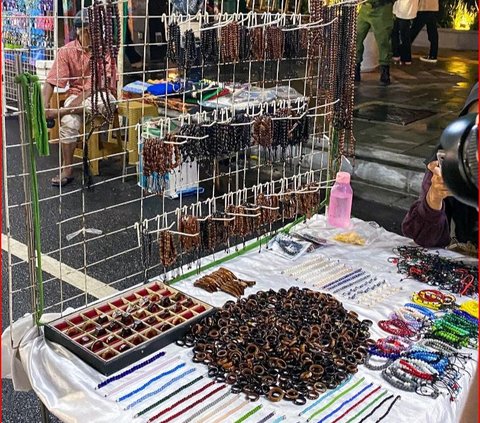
438	190
51	113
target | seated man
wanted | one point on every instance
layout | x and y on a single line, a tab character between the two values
432	217
72	67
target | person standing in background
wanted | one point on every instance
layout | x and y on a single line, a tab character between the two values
427	15
376	14
404	11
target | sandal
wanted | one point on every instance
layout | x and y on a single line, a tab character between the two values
62	182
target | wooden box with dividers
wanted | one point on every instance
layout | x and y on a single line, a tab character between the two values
117	332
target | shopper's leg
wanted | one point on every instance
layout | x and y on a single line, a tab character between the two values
396	40
406	47
382	25
69	133
418	24
432	32
363	26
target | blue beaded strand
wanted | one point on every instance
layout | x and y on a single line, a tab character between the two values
466	316
355	274
130	371
162	388
345	403
378	353
147	384
325	396
424	310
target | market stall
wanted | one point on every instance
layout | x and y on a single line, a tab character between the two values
232	299
63	381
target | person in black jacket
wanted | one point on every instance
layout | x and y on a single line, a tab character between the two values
437	219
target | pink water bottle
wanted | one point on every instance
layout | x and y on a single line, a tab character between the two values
340	206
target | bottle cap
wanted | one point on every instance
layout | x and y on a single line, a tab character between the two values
343	178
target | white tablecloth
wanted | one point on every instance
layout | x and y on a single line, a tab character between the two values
65	384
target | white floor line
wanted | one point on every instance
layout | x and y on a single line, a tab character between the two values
71	276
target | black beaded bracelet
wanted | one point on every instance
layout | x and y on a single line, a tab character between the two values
376	408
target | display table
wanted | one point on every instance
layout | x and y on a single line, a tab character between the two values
65	384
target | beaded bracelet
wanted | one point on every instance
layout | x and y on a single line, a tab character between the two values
376	408
393	344
207	407
382	366
388	409
396	327
194	404
186	398
471	307
249	414
161	389
147	384
466	316
345	403
347	278
212	413
394	378
324	397
231	412
328	277
132	381
437	345
367	407
130	371
424	310
267	417
353	283
336	398
167	397
356	404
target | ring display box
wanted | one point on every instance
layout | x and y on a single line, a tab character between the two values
117	332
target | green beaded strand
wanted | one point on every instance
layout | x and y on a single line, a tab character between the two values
250	413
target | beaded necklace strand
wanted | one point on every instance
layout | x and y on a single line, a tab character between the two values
348	401
161	389
338	419
147	384
231	412
336	398
167	397
130	371
188	408
324	397
139	377
389	409
249	414
212	413
267	417
376	408
367	407
207	407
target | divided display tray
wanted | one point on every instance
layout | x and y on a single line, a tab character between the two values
117	332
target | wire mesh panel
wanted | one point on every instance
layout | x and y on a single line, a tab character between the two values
186	130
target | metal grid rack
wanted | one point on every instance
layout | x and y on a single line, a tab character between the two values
92	244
